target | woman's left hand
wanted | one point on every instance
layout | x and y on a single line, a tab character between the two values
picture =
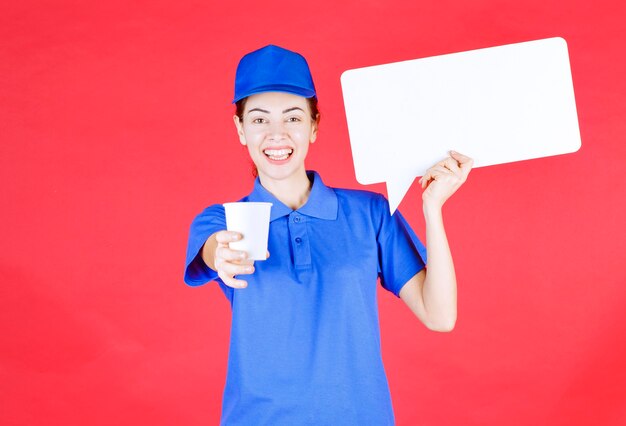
444	178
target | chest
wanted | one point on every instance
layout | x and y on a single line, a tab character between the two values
319	272
298	242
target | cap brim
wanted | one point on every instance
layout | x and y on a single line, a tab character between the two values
294	90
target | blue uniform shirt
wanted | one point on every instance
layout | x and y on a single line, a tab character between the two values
305	339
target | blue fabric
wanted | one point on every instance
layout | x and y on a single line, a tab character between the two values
273	69
305	339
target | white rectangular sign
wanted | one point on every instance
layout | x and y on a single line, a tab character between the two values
496	105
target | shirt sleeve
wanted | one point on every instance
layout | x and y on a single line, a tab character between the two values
207	223
401	254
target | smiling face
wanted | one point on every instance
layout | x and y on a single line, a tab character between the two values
277	128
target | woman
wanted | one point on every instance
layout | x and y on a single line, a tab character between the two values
305	343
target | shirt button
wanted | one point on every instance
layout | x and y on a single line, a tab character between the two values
296	219
298	240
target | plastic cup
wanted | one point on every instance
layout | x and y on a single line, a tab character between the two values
252	220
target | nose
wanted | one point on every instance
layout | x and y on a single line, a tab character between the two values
277	130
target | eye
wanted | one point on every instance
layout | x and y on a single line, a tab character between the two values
259	120
294	119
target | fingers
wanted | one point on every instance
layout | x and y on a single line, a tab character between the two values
457	163
230	255
466	163
225	237
462	159
228	270
425	179
435	172
233	282
444	178
438	169
452	165
230	263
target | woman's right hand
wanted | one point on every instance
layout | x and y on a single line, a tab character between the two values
225	261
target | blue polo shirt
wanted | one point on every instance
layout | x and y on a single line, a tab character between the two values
305	339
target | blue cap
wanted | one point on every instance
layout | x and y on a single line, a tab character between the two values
273	69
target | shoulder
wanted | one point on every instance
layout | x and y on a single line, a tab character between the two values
367	205
213	210
370	207
361	198
213	214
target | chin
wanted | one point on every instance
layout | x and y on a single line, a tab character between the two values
279	173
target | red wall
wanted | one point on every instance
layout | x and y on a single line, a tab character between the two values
115	131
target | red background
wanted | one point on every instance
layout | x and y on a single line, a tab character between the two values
116	131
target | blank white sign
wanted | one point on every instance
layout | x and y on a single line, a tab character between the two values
496	105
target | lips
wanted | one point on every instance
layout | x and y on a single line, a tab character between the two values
278	154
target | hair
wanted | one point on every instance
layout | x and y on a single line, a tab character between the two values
240	106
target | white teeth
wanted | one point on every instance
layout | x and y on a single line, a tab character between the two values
278	154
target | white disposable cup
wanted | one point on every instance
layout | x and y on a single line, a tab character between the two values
252	220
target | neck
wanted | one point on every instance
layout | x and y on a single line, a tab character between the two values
293	192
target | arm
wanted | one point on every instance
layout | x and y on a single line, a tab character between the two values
432	294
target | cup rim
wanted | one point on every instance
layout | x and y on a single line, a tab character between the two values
263	203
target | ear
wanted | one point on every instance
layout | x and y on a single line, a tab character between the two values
314	127
239	126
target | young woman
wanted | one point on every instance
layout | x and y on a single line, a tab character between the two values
305	343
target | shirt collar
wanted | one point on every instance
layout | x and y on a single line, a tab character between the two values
322	202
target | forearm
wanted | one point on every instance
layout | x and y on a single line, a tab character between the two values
439	290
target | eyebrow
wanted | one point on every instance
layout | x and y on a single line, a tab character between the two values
284	111
292	109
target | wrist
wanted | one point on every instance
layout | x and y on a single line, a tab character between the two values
432	208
